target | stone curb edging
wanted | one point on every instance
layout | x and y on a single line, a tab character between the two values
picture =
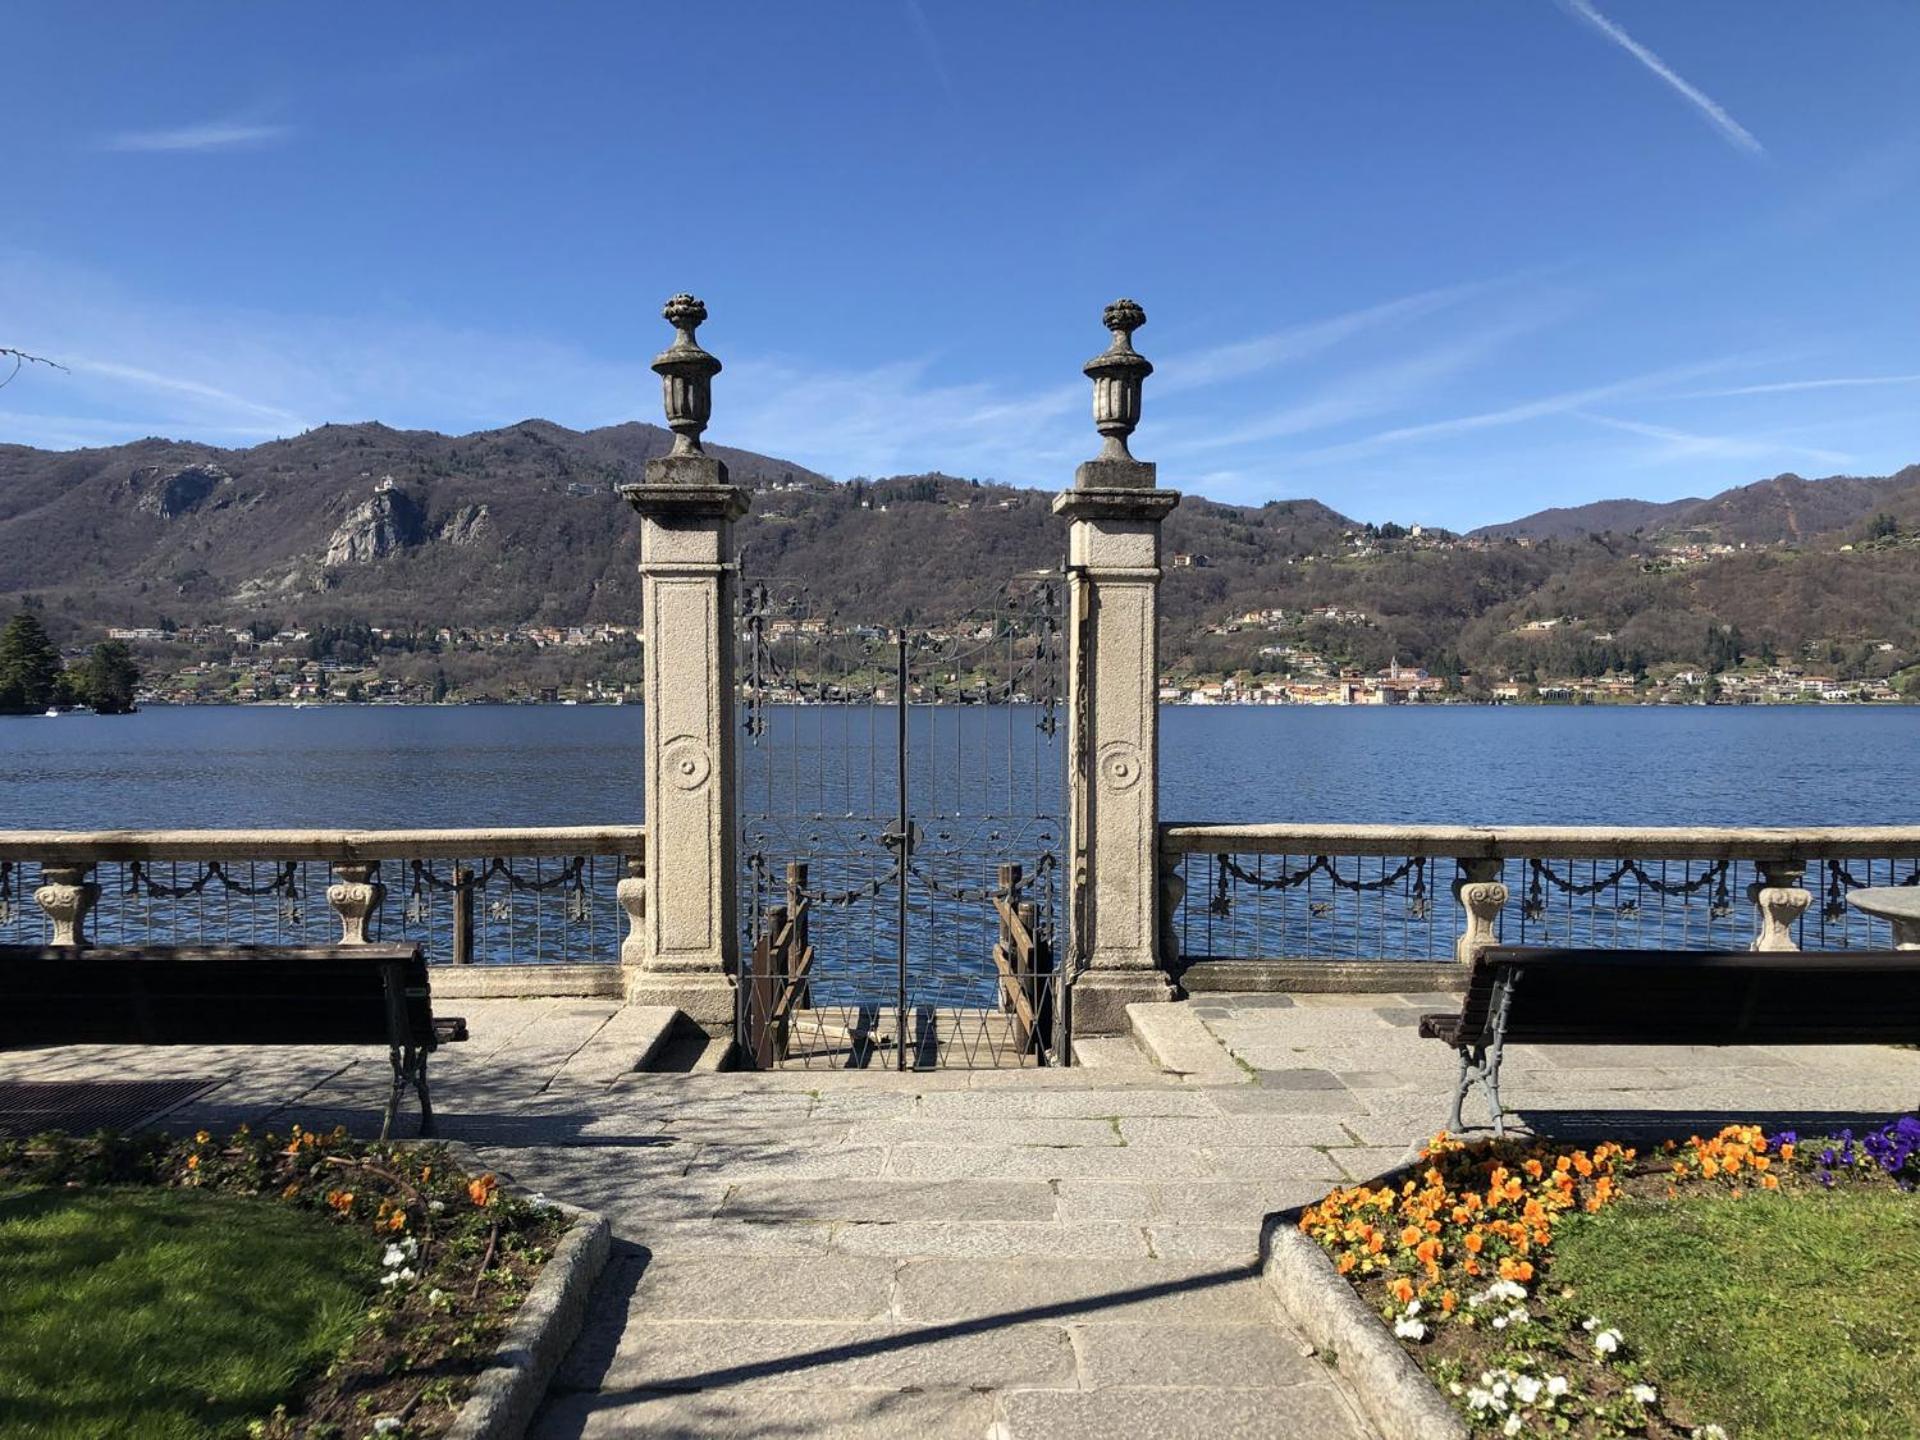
506	1394
1393	1391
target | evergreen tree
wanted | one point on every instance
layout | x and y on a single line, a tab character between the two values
29	665
110	678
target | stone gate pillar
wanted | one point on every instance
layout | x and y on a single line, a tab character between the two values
1113	729
687	506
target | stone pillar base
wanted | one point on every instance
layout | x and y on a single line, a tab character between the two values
1100	998
704	998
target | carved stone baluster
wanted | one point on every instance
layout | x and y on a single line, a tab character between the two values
631	892
354	896
1482	894
1781	901
67	893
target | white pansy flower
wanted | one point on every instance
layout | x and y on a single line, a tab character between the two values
1408	1328
1556	1385
1645	1394
388	1425
1606	1342
1526	1389
1512	1427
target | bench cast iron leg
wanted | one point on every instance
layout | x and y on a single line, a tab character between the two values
420	1088
393	1095
1460	1093
1494	1107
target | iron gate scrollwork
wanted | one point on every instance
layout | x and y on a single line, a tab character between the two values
901	794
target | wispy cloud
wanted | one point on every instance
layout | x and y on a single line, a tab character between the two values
1388	386
179	385
1678	445
211	135
1730	129
1559	403
929	42
1787	387
1231	361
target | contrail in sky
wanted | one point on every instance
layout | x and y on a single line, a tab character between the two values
1735	133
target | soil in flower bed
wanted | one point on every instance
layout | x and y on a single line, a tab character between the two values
435	1262
1739	1285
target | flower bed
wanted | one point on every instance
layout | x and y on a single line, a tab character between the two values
455	1254
1458	1257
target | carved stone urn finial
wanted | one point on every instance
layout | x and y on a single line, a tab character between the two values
686	375
1117	374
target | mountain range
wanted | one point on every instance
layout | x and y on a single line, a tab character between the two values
364	524
1784	510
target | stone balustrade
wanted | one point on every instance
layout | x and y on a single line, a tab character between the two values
551	900
1245	904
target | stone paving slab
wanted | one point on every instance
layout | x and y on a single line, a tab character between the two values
655	1355
927	1160
1181	1414
889	1199
745	1287
994	1239
1079	1292
1234	1355
756	1415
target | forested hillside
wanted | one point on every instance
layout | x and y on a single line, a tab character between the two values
350	526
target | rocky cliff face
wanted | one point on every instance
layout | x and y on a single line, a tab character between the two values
378	527
467	525
172	495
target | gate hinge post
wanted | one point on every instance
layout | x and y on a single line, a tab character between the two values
1114	513
689	951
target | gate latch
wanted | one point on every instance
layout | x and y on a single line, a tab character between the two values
891	838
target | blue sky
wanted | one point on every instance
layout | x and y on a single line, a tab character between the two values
1444	261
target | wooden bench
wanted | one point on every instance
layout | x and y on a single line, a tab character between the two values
1535	996
230	995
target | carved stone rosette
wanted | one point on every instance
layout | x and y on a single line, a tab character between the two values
1117	373
354	896
686	375
631	892
1482	895
1781	901
67	894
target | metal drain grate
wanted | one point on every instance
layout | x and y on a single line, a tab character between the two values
81	1107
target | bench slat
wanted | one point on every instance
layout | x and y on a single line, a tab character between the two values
211	995
1638	997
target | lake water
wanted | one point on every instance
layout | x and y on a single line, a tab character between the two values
465	766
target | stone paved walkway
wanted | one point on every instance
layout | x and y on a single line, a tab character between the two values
996	1255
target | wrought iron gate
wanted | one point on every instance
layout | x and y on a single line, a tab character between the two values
901	794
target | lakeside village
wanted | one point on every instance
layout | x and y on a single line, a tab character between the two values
543	664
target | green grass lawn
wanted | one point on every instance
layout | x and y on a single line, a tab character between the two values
1780	1316
161	1313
